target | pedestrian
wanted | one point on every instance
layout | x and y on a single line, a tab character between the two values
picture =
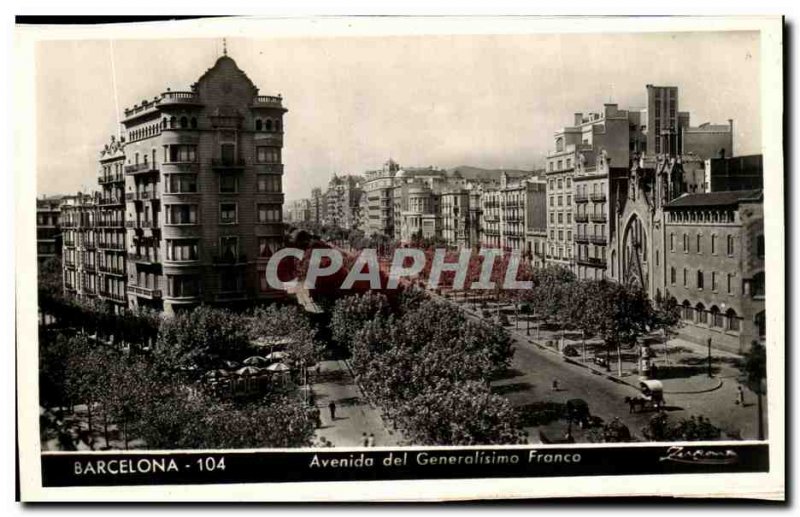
371	440
364	440
555	384
317	419
740	395
318	369
332	409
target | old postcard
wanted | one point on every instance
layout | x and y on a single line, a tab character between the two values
400	259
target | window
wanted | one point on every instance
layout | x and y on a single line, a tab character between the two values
181	250
268	183
716	317
259	125
672	242
699	279
268	214
184	122
181	286
569	217
758	285
560	200
713	280
228	184
569	199
561	235
229	248
569	235
730	283
266	246
569	182
713	244
182	183
560	181
699	240
700	312
227	213
182	153
269	125
552	218
732	320
181	214
560	166
569	163
672	275
760	246
193	123
685	243
266	154
730	245
560	218
685	278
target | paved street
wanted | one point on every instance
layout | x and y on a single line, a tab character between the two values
354	415
534	369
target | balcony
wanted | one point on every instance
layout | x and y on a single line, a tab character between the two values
111	178
267	101
582	239
581	218
141	168
145	292
144	258
591	262
230	260
110	201
598	197
114	296
599	239
89	268
110	224
109	270
598	218
87	245
170	97
581	198
222	164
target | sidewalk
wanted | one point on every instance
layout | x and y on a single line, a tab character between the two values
354	415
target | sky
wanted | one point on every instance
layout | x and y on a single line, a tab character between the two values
487	101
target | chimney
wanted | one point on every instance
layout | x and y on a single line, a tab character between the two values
578	118
730	124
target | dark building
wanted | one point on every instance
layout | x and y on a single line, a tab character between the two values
735	173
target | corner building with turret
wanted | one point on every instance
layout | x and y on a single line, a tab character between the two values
203	193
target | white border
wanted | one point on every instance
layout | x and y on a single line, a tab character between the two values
733	485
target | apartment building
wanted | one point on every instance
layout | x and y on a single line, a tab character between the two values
343	201
379	187
78	218
456	220
203	183
48	230
110	225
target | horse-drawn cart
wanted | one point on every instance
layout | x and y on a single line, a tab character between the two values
652	396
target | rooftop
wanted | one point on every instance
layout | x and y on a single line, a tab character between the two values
726	198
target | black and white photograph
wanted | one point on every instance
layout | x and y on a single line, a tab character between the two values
392	253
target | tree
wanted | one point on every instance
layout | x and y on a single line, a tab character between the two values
463	413
202	339
351	312
551	292
288	322
617	313
755	369
666	316
661	429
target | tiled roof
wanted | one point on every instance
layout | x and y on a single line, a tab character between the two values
726	198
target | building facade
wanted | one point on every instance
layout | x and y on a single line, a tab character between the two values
379	187
48	229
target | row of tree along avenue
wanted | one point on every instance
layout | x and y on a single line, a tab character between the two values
209	378
428	368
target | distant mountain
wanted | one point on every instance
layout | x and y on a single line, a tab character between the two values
471	173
